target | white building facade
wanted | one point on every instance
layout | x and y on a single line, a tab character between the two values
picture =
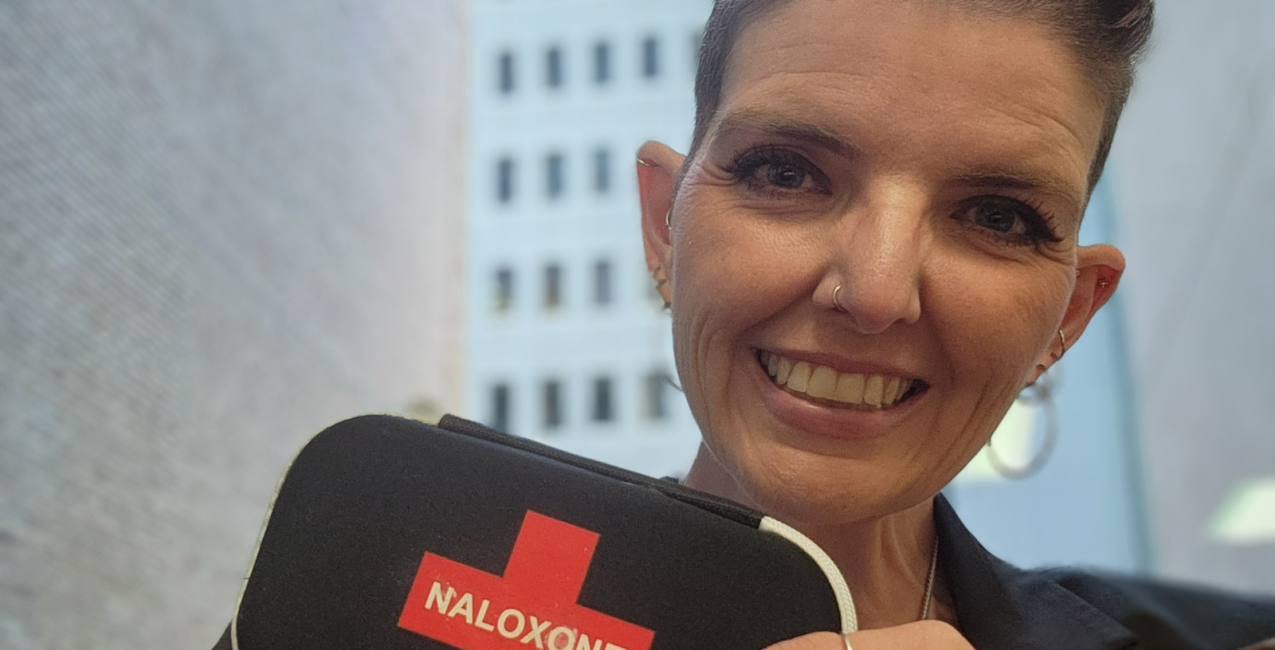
567	341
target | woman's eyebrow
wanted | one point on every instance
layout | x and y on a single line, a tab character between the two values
748	120
1046	184
755	121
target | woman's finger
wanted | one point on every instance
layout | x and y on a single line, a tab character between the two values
816	641
930	635
923	635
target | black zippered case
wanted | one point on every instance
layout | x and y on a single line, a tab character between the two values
389	534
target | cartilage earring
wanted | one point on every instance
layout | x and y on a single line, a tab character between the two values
661	279
1062	338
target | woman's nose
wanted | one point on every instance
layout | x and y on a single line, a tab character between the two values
876	259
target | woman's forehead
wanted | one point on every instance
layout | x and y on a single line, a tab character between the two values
915	78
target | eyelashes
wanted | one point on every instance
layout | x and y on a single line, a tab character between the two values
1008	220
778	173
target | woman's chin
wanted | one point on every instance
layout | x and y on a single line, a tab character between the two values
822	491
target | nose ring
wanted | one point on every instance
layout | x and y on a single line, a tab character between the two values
835	303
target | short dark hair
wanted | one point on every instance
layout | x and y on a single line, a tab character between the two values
1108	38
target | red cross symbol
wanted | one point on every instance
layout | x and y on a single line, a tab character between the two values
532	606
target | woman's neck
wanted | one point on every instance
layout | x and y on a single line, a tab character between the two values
886	561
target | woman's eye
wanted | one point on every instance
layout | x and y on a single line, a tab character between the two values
778	171
786	175
1008	219
998	218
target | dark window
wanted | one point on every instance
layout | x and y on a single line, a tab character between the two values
602	171
553	67
505	180
500	408
506	72
551	391
553	286
504	289
650	57
602	283
603	405
657	387
554	175
601	63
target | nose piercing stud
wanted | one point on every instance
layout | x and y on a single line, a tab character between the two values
835	303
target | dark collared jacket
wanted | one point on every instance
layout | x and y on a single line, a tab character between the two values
1001	607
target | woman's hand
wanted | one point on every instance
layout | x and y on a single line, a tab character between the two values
923	635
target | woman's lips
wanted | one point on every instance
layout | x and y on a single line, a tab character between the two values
825	385
822	401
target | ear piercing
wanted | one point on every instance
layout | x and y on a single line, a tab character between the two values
1062	338
668	216
1042	368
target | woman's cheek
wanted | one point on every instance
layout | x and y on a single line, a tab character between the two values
1002	312
994	319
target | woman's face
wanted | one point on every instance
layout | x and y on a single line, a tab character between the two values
932	163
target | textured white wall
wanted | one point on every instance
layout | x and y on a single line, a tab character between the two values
1193	174
223	226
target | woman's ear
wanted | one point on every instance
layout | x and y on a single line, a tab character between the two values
1098	271
657	170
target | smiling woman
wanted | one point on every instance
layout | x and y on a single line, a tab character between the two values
869	251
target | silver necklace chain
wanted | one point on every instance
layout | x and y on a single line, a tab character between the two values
929	590
929	583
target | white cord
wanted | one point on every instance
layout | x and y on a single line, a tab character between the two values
845	602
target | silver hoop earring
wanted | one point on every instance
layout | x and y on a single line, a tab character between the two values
835	304
668	219
1041	394
669	380
1062	338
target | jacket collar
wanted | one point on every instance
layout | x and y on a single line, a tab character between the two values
1000	606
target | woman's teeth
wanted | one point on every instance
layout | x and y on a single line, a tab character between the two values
822	382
